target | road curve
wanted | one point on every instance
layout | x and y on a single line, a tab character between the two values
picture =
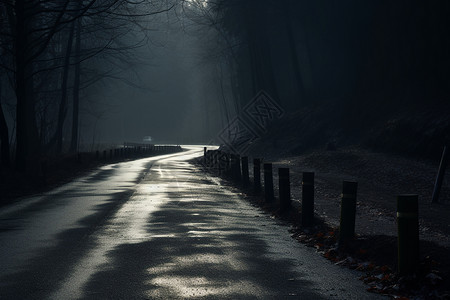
157	228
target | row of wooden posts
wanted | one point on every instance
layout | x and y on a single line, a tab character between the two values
237	168
128	151
135	151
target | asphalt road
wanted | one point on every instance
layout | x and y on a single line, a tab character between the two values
157	228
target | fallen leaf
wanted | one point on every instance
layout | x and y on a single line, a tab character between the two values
362	251
385	269
372	289
318	246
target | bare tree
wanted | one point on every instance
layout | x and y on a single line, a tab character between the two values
33	40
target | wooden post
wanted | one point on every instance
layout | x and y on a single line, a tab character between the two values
237	171
222	163
211	158
440	176
348	211
227	164
308	199
284	186
245	177
208	158
408	233
268	182
219	162
216	159
204	156
233	166
257	175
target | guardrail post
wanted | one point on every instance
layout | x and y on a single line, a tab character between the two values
237	167
257	175
222	163
219	165
227	164
408	233
97	155
308	199
211	158
104	154
284	186
348	211
233	166
440	176
208	158
245	178
216	158
268	182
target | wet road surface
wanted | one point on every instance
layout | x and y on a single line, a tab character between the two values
157	228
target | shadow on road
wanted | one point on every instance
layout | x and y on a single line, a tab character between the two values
199	248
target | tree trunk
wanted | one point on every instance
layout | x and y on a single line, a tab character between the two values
27	149
253	69
76	89
260	54
4	137
63	104
294	54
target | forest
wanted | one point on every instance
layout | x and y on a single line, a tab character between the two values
375	73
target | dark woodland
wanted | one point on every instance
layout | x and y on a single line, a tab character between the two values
357	87
374	72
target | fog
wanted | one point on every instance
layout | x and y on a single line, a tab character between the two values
366	73
118	99
171	96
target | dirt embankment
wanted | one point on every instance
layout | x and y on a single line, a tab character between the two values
381	177
389	152
418	131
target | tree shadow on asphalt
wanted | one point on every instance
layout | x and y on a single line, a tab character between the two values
374	254
44	273
196	251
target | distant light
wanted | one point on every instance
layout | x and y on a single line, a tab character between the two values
198	3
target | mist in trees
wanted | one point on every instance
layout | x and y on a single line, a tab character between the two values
79	74
370	72
76	74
